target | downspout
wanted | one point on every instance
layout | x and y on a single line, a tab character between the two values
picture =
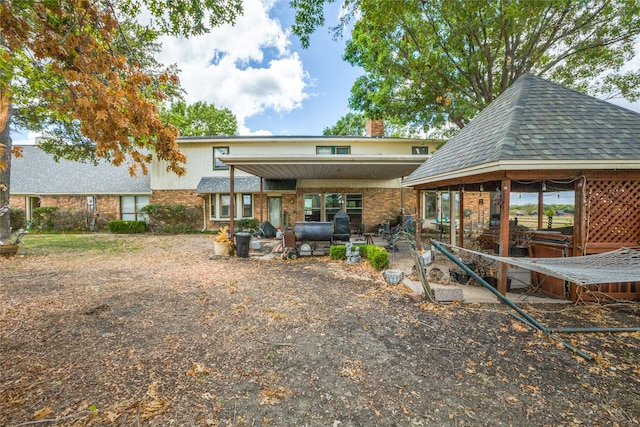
204	214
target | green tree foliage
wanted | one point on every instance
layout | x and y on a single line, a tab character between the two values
354	124
351	124
201	119
434	62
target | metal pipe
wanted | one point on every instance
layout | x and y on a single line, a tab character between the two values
529	320
571	330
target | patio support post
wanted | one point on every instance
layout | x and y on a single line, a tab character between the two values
452	217
580	218
261	199
461	218
232	205
418	222
540	209
505	189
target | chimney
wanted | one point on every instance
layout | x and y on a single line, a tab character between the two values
374	128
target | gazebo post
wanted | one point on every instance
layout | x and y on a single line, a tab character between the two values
540	208
418	222
461	218
232	205
504	233
452	216
580	218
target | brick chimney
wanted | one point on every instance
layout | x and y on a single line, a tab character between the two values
374	128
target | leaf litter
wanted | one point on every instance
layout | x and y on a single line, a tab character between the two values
168	335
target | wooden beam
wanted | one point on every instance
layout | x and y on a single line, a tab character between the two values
261	200
540	209
418	219
461	219
579	220
504	233
232	204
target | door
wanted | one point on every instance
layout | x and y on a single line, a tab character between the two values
275	211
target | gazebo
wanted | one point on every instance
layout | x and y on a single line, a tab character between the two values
538	135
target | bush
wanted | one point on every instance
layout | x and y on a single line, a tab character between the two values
18	218
247	224
43	217
338	252
172	218
378	257
127	227
51	219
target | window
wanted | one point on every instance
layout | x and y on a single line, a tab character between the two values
332	204
354	209
430	205
220	206
217	152
225	205
212	206
312	208
420	150
247	206
332	149
130	208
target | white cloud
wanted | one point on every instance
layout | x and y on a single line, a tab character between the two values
247	67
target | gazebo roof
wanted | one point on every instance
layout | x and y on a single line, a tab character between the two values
538	125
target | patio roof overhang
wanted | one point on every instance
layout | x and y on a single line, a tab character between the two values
379	166
523	170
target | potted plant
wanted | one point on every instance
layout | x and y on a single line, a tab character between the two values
221	242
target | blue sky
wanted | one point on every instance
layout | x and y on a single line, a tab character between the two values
259	71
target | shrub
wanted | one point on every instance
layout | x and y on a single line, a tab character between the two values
172	218
338	252
43	217
378	257
127	227
247	224
17	218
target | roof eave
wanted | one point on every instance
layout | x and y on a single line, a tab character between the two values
526	165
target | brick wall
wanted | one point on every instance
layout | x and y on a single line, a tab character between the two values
107	206
379	204
374	127
175	197
18	202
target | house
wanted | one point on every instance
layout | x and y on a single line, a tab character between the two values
536	137
104	191
280	179
287	179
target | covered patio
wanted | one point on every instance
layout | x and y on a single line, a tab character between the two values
536	137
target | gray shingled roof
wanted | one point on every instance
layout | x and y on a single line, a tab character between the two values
535	119
243	184
37	173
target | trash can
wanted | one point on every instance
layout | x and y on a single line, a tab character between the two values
242	244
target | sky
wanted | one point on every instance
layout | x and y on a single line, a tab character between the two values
259	71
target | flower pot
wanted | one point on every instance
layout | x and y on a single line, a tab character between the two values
393	277
222	248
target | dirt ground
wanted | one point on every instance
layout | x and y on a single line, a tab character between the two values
167	335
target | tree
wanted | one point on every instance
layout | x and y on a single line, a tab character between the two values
351	124
67	67
354	124
201	119
431	62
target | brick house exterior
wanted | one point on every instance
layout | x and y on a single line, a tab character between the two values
298	179
37	180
